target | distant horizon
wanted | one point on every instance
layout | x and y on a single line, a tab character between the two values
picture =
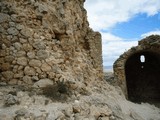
108	68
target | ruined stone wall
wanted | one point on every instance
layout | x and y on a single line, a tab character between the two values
50	39
150	44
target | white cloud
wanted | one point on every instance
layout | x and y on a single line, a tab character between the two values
104	14
106	37
113	47
157	32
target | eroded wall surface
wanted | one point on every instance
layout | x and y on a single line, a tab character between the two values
47	39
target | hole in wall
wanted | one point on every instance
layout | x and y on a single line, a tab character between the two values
142	72
142	60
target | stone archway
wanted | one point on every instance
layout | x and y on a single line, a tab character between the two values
143	77
140	80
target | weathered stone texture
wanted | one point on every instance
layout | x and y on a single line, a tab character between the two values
47	39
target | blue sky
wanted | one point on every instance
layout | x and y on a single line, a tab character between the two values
122	23
138	25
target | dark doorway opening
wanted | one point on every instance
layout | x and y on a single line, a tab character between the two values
142	71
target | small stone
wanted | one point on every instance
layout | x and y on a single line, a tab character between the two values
27	32
5	66
27	79
20	74
38	70
68	111
103	118
8	75
4	17
43	83
12	31
29	71
2	53
22	40
42	8
19	27
11	24
35	78
35	63
39	45
17	45
1	95
13	82
21	112
42	54
10	100
51	75
1	60
45	67
20	68
31	55
27	47
112	117
76	109
36	36
22	61
2	30
9	58
21	54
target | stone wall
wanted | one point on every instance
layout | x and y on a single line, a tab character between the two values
148	44
47	39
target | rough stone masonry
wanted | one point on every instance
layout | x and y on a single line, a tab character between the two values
138	79
50	39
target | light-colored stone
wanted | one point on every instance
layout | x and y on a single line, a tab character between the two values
35	63
27	32
27	79
21	112
43	83
31	55
2	53
29	71
22	61
39	45
17	45
12	31
21	54
42	54
10	100
27	47
11	24
4	17
20	74
9	58
51	75
35	78
8	75
45	67
19	27
42	8
103	118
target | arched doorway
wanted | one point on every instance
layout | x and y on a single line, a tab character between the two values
142	71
